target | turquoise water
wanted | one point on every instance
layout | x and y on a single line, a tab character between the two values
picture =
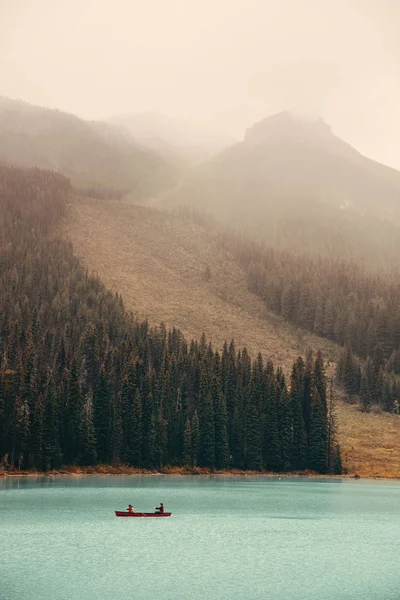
236	539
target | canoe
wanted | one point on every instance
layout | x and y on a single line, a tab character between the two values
120	513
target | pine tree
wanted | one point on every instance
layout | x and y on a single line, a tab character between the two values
19	431
299	439
135	437
285	431
102	417
329	319
71	418
254	400
337	461
37	431
149	423
317	450
117	434
207	432
195	439
187	444
272	457
319	377
319	318
51	439
87	439
332	460
237	445
221	433
365	390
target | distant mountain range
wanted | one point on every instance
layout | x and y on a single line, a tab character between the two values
98	157
286	162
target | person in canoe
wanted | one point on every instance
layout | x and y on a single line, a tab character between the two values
131	508
160	508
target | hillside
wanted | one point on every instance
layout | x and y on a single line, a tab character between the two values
84	383
159	262
370	442
179	142
288	163
99	157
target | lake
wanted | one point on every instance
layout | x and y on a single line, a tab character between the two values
228	538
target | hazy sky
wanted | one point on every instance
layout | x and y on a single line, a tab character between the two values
229	62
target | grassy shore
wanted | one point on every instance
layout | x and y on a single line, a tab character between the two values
177	471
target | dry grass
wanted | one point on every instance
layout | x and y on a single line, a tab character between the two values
370	442
157	262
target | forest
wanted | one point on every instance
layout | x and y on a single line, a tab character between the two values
340	299
84	383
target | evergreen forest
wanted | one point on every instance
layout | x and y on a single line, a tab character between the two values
343	300
84	383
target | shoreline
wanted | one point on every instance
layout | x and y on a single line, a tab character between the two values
183	472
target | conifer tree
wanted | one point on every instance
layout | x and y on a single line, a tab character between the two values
253	437
272	457
195	427
299	439
72	415
308	386
87	439
37	431
337	461
117	435
365	391
319	377
102	418
284	423
317	449
221	433
187	444
149	423
207	432
332	459
237	446
51	439
136	432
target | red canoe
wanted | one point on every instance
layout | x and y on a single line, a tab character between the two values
120	513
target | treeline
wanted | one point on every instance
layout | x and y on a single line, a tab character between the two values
336	299
371	381
81	382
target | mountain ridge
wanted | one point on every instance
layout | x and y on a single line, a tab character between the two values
284	160
94	155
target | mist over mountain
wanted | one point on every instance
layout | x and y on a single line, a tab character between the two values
178	141
288	161
99	157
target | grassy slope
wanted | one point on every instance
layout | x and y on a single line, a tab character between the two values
157	262
370	442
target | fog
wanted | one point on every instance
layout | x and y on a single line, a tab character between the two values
227	63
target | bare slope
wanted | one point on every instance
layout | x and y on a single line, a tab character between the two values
370	442
159	263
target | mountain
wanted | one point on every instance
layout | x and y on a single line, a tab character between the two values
285	163
181	143
98	157
178	272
